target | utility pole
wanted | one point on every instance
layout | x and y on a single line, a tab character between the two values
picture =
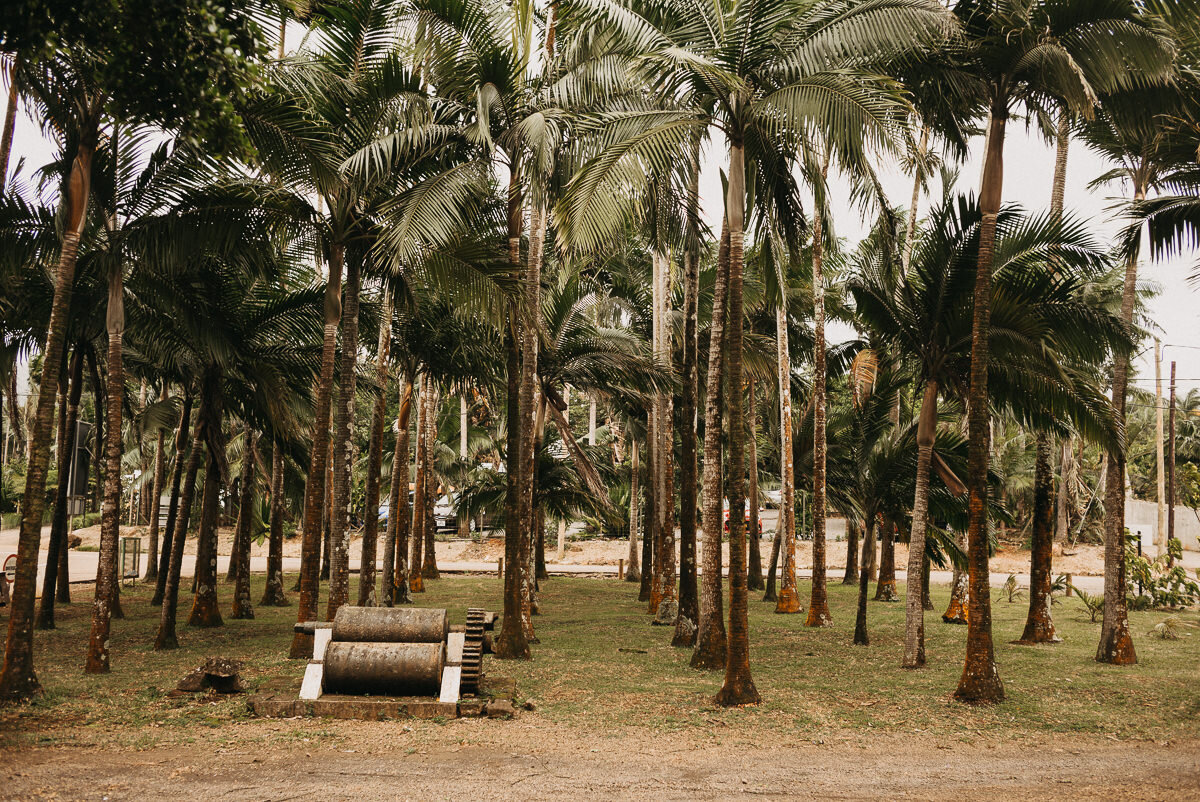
1160	534
1171	471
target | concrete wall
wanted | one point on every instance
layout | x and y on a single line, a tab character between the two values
1142	517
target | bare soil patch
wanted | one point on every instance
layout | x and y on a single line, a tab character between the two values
536	759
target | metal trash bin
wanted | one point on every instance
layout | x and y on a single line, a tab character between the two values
130	559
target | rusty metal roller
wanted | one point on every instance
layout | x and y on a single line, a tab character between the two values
390	625
386	669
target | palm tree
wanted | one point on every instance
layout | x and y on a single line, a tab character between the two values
366	563
56	82
236	337
482	60
1017	55
1042	326
1039	626
30	238
772	78
346	122
208	67
1150	135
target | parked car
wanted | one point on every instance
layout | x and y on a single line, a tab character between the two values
725	507
444	517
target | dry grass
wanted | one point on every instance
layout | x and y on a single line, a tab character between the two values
600	666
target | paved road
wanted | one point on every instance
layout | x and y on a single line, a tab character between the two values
83	567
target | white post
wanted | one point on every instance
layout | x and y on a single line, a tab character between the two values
462	426
1160	533
592	423
464	525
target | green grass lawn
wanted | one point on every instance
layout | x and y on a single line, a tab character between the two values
600	665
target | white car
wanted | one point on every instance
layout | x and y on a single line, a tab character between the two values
444	517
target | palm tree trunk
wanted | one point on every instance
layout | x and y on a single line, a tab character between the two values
366	563
532	292
243	607
926	599
464	424
818	605
1066	491
206	609
738	688
664	603
914	608
416	581
1116	642
789	594
910	234
10	124
689	601
650	550
314	491
885	589
166	637
429	569
711	645
538	524
861	638
769	594
156	488
754	576
16	431
18	680
66	457
654	487
98	388
273	594
511	642
343	424
850	576
956	610
633	572
395	580
1039	626
62	586
327	516
182	438
980	682
110	522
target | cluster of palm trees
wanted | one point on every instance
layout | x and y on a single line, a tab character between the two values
455	214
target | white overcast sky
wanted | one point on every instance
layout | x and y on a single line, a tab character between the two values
1029	169
1029	163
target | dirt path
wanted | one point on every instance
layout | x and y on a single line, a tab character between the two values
530	758
1079	560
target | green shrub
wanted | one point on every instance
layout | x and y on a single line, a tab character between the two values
1092	605
1162	582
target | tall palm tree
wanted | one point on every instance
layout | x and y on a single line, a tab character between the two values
62	83
775	72
1039	626
143	229
247	341
366	570
1046	337
1149	135
1016	55
481	59
208	67
345	124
